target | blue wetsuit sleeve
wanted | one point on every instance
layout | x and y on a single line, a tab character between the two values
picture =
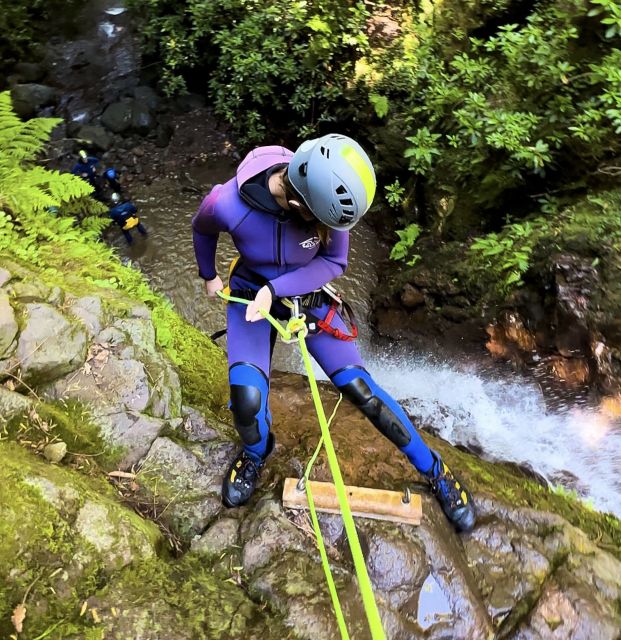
208	222
329	263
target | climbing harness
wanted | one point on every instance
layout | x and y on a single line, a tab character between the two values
296	330
307	302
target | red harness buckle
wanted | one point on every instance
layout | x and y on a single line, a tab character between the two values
325	324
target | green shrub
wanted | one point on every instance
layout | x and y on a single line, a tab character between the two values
532	101
489	102
269	62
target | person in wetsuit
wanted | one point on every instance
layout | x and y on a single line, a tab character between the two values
86	168
289	215
113	180
124	214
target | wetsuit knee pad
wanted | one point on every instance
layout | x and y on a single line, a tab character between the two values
249	391
357	385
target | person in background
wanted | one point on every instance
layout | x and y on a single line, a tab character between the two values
86	168
289	215
123	213
112	179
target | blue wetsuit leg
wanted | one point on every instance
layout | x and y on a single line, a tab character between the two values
341	361
249	355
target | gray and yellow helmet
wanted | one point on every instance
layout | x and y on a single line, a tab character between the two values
335	178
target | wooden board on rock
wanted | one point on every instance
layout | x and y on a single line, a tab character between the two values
378	504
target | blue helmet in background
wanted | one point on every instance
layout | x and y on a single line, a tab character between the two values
111	174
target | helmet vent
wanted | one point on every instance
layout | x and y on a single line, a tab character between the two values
341	190
346	201
325	152
302	169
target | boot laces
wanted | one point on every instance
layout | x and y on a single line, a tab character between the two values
447	486
248	472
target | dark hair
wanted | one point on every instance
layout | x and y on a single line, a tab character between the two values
323	231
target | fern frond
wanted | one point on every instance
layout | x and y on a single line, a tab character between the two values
66	187
22	140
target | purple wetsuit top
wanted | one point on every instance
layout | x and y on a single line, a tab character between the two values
276	249
281	250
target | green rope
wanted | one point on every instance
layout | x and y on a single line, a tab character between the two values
283	332
338	612
368	599
294	327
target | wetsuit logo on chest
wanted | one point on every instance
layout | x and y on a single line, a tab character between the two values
310	243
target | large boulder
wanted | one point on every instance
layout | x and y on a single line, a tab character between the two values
132	390
147	96
60	532
189	489
94	136
88	566
142	118
29	98
29	71
50	345
118	116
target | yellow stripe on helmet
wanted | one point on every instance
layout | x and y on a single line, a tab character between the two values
360	166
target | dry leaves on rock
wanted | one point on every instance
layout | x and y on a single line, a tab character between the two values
18	617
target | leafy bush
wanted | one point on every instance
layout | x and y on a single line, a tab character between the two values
590	227
270	62
471	108
532	100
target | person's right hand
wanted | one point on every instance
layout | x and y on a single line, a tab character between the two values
212	286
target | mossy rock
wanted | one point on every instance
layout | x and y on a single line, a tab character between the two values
39	423
62	536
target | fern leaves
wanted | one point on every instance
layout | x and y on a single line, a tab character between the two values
22	140
29	193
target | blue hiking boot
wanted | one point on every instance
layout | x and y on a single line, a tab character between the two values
454	498
242	476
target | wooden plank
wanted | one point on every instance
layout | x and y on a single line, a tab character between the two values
378	504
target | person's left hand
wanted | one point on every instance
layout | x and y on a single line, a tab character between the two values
263	300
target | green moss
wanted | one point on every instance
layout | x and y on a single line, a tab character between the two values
506	484
186	596
69	421
42	553
201	364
